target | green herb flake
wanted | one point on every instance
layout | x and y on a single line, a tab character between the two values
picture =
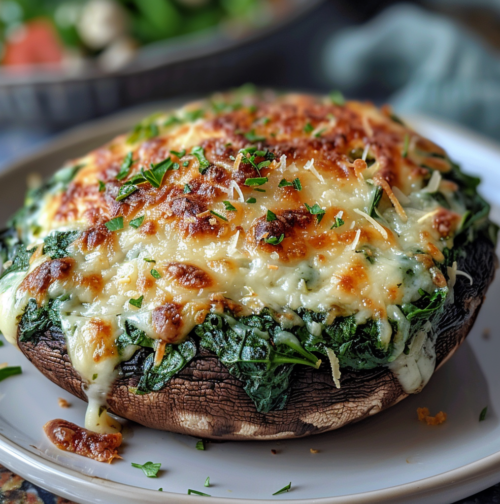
10	371
320	132
149	469
160	489
125	167
257	181
218	215
94	376
102	186
178	154
251	200
259	190
482	415
229	206
171	121
406	145
185	164
125	191
285	183
270	216
274	241
207	482
338	222
137	223
195	492
337	98
200	445
253	137
155	274
149	260
115	224
157	172
137	302
284	489
187	189
297	184
308	128
1	343
316	210
194	115
199	153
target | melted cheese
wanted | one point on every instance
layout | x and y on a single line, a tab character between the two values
202	257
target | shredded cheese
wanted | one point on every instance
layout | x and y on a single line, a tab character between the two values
367	127
428	216
237	161
373	222
365	152
233	186
356	240
334	362
401	196
310	166
434	182
397	205
282	165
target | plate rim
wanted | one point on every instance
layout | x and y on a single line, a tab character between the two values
474	476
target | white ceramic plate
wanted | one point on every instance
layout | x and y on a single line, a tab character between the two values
389	458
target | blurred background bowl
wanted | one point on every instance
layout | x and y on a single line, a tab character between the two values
217	57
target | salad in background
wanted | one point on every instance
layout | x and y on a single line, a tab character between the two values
69	33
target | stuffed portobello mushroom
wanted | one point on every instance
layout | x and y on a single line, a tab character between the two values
253	266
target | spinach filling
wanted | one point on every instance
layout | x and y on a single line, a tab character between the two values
257	350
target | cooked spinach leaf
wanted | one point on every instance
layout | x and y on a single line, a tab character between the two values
356	346
37	320
426	306
56	245
254	351
20	259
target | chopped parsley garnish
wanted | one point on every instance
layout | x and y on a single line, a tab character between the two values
284	489
125	191
207	482
338	222
1	343
308	128
185	164
125	167
187	189
179	154
10	371
137	223
270	216
396	119
157	172
155	274
265	120
102	186
316	210
252	109
320	132
251	153
337	98
406	145
253	137
115	224
94	376
274	241
482	415
149	469
295	184
218	215
194	115
259	190
263	164
199	153
200	445
143	131
195	492
149	260
251	200
257	181
137	302
229	207
171	121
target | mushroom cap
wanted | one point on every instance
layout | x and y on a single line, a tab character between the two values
204	400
